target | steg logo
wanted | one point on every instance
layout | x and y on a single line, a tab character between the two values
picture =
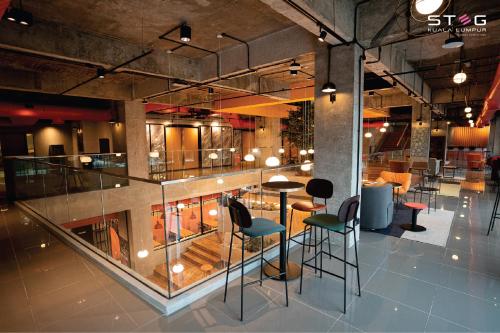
435	20
468	25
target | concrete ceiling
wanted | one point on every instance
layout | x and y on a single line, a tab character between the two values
141	22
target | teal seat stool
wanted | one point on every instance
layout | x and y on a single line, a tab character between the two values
252	228
337	224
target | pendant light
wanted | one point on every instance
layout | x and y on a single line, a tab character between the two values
459	77
272	161
329	87
249	158
213	156
306	166
383	129
468	115
471	121
281	150
453	43
368	134
467	109
310	151
426	7
278	178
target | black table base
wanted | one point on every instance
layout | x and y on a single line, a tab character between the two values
292	271
413	226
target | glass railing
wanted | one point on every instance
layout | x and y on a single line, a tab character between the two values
170	235
179	164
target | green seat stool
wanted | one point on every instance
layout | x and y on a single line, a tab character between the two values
252	228
337	224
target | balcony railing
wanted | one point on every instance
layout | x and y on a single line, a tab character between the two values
170	235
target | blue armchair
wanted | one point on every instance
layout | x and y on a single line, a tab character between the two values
377	207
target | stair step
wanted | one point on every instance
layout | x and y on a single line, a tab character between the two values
208	246
193	258
208	257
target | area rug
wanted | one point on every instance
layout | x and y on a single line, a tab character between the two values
438	224
450	190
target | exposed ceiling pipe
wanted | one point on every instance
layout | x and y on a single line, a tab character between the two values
111	70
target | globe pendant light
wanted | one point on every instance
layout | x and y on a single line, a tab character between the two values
471	124
310	151
459	77
249	158
368	134
386	124
471	121
426	7
213	156
306	166
178	268
467	109
303	152
272	161
469	115
281	150
383	129
278	178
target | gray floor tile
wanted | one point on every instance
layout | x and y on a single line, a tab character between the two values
418	268
402	289
466	310
372	313
342	326
279	318
436	324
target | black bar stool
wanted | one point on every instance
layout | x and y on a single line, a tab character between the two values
316	188
257	227
338	224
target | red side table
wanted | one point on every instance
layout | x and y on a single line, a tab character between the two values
417	207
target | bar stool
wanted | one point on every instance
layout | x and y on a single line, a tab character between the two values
338	224
316	188
253	228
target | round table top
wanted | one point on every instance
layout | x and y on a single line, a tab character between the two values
415	205
206	267
286	186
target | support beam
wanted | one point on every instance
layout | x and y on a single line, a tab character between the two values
452	95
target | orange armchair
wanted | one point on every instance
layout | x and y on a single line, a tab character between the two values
475	161
403	178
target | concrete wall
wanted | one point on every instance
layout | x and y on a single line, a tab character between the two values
52	135
92	132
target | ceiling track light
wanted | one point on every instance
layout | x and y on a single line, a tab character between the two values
322	34
101	73
185	32
18	15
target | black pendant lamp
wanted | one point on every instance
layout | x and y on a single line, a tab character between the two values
329	87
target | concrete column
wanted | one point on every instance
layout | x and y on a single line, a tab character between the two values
420	132
134	119
336	131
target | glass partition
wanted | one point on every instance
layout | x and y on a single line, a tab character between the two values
171	235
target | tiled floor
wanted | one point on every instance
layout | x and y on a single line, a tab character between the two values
406	286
